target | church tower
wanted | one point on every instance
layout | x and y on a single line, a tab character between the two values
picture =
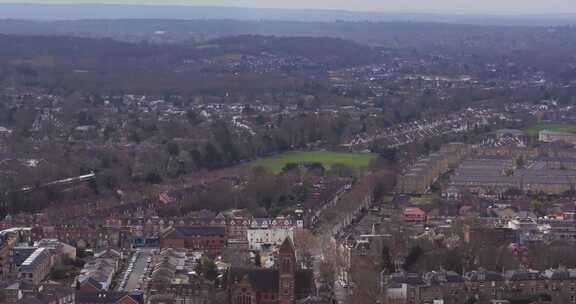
287	272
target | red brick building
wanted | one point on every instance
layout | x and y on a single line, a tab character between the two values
489	236
238	228
212	239
283	284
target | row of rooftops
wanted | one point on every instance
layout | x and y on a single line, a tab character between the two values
207	219
196	231
525	177
169	263
99	270
36	258
46	293
28	256
491	172
395	280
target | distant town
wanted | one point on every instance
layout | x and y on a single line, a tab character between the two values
374	162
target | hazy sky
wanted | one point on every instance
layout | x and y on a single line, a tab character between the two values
471	6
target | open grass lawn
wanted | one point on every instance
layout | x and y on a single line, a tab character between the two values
422	200
558	127
387	199
277	162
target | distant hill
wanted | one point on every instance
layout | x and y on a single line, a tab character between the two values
214	66
321	49
177	31
173	12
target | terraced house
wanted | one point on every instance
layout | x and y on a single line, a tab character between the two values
210	238
37	266
556	286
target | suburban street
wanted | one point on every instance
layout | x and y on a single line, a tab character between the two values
139	269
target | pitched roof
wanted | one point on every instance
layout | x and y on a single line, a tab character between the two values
515	275
268	280
92	281
395	280
193	231
440	277
261	279
109	253
413	211
483	276
48	294
315	300
560	275
20	254
35	259
162	298
109	297
287	246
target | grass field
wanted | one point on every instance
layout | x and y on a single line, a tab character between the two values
387	199
422	200
277	162
533	130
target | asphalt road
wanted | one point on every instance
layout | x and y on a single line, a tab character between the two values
133	280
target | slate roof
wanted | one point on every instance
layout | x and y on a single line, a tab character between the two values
98	271
515	275
196	231
91	281
261	279
483	276
560	275
163	275
267	280
109	254
35	259
20	254
47	294
315	300
440	277
110	297
396	280
162	298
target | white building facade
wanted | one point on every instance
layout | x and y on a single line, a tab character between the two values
269	232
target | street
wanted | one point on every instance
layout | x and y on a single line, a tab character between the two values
139	270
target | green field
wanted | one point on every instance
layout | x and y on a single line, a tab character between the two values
422	200
387	199
277	162
558	127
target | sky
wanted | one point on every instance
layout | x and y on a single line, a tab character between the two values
452	6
